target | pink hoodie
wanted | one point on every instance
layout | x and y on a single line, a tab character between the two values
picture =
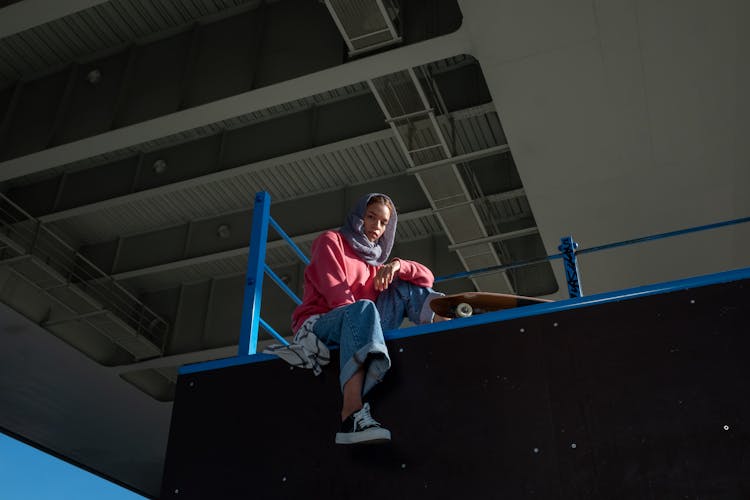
336	277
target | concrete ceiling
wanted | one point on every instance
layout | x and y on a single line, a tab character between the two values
625	119
138	152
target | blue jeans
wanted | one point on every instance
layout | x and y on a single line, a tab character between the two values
358	328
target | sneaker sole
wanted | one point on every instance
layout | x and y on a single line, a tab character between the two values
369	436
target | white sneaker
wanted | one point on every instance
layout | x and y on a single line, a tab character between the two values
305	351
360	427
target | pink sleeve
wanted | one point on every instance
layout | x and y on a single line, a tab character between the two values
416	273
328	271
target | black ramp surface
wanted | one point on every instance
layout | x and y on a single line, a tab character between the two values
645	398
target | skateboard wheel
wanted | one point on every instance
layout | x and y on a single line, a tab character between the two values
464	310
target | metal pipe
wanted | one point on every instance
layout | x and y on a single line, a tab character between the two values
598	248
282	285
273	332
474	155
497	237
294	246
669	234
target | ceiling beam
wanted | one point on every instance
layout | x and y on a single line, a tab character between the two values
529	231
215	176
454	44
21	16
236	252
474	155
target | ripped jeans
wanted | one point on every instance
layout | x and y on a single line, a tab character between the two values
358	328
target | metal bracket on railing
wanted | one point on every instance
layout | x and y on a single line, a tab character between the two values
568	248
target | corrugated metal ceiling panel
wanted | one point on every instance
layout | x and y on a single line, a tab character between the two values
398	93
330	170
323	172
164	279
278	254
363	24
418	228
197	133
358	17
473	132
104	26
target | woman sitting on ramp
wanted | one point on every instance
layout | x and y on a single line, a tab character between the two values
352	294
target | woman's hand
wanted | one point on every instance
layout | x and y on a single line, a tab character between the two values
384	276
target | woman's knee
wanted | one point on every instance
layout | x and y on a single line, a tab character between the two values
362	312
365	307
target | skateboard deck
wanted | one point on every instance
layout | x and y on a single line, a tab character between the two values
463	305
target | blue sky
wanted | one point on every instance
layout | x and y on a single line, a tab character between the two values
29	474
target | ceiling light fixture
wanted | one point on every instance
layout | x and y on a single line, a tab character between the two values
159	166
94	76
223	231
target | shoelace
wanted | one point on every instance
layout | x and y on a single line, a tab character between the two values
364	419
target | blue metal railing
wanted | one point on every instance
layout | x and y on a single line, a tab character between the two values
599	248
257	267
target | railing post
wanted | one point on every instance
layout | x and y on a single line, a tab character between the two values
568	248
248	343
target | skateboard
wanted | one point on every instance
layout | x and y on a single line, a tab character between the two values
463	305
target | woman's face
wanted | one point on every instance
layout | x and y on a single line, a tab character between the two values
376	218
